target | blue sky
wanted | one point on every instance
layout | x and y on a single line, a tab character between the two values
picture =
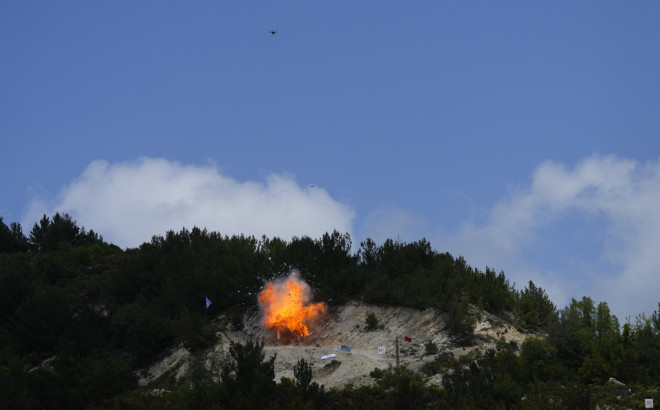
525	137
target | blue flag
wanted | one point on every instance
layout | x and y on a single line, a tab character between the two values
208	303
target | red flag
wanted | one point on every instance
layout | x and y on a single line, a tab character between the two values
408	339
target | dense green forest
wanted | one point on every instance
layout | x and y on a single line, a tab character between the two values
79	315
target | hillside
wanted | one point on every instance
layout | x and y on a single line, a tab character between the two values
85	324
345	325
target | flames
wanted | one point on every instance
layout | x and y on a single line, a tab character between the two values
285	306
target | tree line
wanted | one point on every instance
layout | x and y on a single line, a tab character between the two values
79	315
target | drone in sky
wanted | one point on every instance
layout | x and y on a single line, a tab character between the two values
273	32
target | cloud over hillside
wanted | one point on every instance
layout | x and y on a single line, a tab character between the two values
591	229
129	202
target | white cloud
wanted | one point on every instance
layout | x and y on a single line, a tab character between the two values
128	203
622	193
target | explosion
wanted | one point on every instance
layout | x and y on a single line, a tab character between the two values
285	306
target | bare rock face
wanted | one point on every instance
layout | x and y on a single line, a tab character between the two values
177	360
346	326
334	366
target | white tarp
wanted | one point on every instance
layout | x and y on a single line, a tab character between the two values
328	356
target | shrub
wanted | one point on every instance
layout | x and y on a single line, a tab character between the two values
372	321
430	348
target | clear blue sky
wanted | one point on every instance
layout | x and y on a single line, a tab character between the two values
522	135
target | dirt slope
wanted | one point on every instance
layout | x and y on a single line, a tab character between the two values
346	325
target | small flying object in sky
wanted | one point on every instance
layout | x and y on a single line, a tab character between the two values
273	32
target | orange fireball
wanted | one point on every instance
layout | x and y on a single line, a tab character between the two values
285	306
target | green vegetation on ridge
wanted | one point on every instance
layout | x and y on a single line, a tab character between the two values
78	315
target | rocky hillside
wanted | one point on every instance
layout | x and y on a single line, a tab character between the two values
346	326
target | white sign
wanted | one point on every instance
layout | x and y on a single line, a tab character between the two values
648	403
381	349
